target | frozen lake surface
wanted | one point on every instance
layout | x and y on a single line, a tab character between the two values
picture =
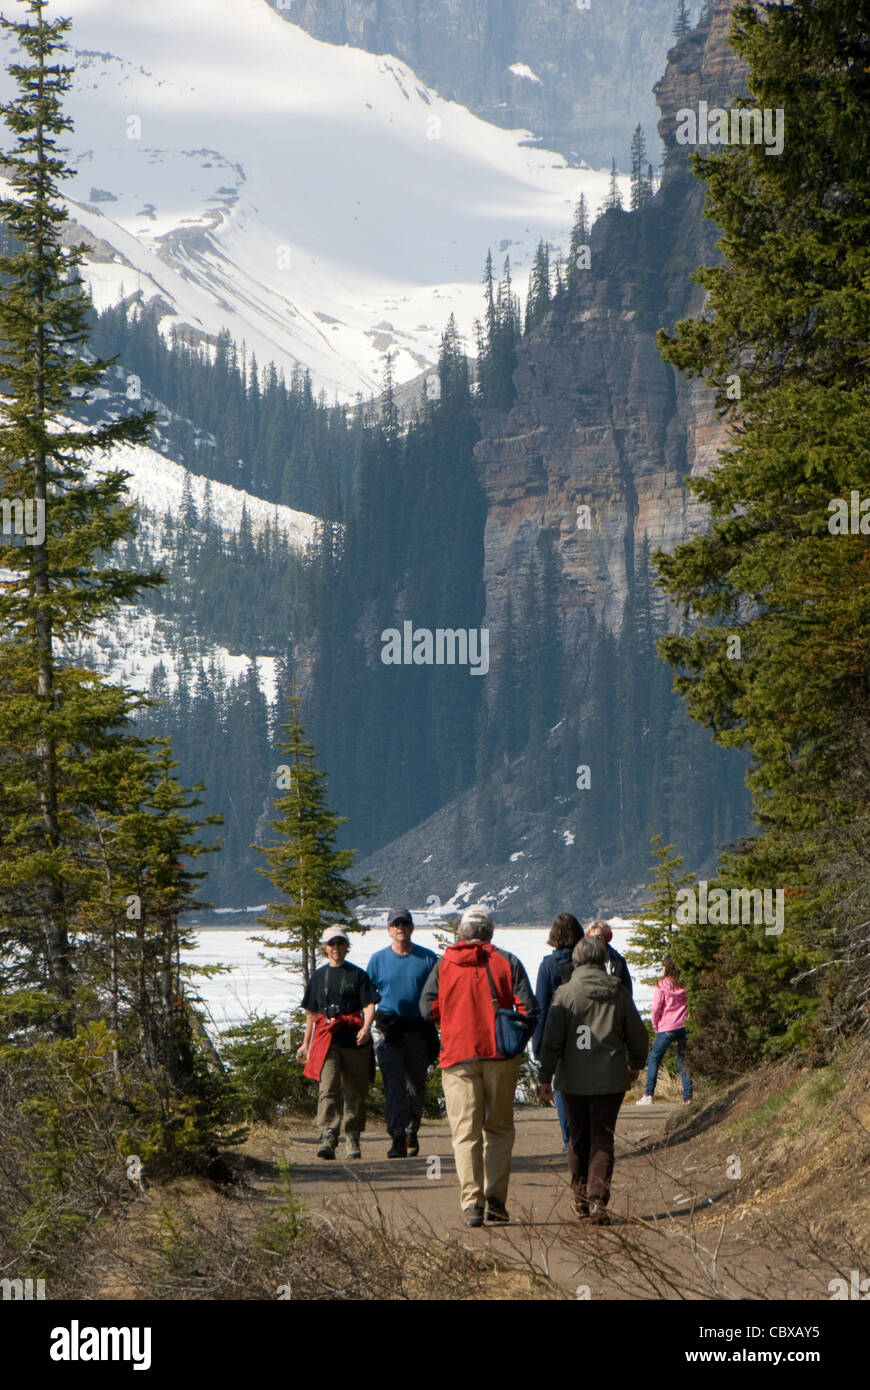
252	986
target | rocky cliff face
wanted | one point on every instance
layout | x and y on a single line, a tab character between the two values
592	66
600	421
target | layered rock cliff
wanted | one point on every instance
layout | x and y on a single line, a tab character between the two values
599	422
584	69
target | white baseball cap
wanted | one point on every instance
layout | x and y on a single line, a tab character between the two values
334	934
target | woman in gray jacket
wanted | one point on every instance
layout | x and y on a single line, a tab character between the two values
595	1043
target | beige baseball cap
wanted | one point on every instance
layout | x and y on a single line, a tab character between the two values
477	916
334	934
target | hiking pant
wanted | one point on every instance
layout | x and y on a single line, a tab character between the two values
591	1120
659	1048
404	1064
480	1107
346	1070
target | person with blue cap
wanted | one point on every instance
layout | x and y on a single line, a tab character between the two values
406	1044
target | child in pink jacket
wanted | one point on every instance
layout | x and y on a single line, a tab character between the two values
669	1014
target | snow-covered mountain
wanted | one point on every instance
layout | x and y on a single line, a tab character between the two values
318	201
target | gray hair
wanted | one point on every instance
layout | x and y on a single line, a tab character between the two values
475	924
589	951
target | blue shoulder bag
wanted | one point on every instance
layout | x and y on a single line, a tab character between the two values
512	1029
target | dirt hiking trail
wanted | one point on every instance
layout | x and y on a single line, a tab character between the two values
682	1227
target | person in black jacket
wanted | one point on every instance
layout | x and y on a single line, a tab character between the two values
553	971
615	964
339	1003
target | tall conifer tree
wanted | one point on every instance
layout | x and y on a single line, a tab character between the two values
778	662
59	584
539	287
579	240
641	180
614	194
656	924
682	20
304	864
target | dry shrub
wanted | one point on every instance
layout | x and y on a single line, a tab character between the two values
668	1088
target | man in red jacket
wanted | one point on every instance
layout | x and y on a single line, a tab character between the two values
470	982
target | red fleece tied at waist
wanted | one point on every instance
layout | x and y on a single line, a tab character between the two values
322	1041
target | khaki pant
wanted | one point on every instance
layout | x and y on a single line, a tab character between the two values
480	1107
346	1068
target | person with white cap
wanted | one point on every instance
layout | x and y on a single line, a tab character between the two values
339	1002
481	998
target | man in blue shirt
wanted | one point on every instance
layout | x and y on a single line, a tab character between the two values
406	1044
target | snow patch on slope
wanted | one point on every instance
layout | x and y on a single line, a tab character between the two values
158	484
139	641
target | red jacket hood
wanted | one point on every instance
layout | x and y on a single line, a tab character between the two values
470	952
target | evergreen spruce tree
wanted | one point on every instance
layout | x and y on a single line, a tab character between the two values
539	287
559	277
508	332
682	20
189	515
489	298
579	240
489	337
614	195
389	409
304	864
52	714
641	182
653	936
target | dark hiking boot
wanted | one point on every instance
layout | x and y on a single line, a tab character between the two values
399	1148
352	1149
413	1145
328	1142
474	1216
580	1206
598	1215
497	1211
